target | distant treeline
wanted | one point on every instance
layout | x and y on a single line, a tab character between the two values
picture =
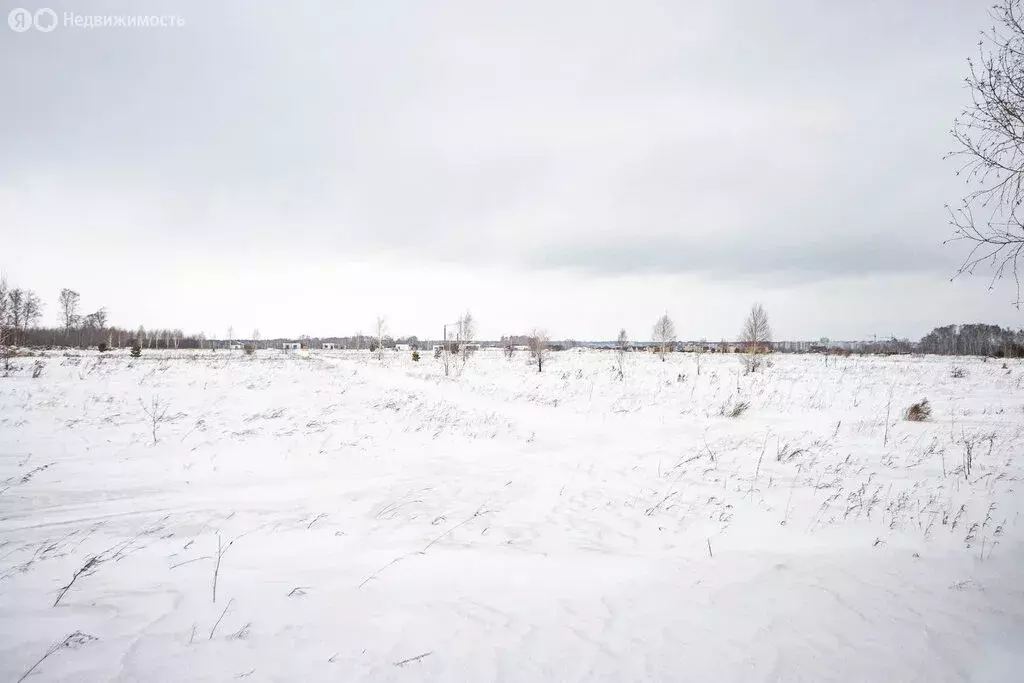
973	340
951	340
21	310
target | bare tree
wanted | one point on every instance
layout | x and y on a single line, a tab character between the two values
155	411
539	342
466	329
31	308
621	344
5	321
15	299
96	320
756	337
990	138
664	334
68	302
382	328
701	346
256	338
447	343
23	311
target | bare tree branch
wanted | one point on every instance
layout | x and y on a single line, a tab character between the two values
990	138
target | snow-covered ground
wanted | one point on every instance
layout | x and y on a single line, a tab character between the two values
322	516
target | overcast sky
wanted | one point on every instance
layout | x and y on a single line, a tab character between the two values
576	165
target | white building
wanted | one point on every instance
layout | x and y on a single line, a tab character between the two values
403	347
291	346
328	346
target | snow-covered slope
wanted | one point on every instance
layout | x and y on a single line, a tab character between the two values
325	516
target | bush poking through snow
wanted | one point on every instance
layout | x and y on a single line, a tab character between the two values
920	411
249	349
416	356
103	348
957	372
37	369
734	409
136	348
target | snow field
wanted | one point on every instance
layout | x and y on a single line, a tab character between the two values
377	521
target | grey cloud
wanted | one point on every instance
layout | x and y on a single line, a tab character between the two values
733	138
752	258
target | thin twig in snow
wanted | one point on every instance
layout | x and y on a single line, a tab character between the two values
221	549
221	618
179	564
73	639
479	511
85	570
413	659
759	459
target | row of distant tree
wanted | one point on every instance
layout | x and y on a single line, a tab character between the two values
21	310
973	340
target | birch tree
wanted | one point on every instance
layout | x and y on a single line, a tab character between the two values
5	340
539	342
756	337
68	302
381	328
664	334
621	344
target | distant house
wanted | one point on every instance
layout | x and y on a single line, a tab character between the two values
235	347
328	346
291	346
403	347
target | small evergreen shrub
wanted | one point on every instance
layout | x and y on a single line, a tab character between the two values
416	356
103	347
136	348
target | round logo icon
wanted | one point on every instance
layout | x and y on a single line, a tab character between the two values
45	20
20	20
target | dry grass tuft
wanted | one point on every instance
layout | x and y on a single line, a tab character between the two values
919	412
734	409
